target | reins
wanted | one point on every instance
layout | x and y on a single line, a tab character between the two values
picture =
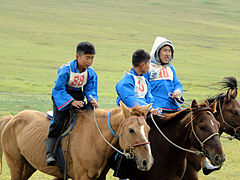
184	149
235	129
129	155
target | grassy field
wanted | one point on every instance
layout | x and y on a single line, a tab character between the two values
37	37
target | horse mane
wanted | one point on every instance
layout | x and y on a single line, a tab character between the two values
168	118
228	83
137	111
183	116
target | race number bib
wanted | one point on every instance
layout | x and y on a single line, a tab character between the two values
140	88
77	80
158	72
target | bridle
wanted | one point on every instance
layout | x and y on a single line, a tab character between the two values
234	129
206	139
203	151
130	154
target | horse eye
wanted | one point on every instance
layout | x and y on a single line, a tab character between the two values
235	113
202	128
131	131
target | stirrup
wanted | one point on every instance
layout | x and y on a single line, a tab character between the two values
51	161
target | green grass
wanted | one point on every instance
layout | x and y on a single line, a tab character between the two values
37	37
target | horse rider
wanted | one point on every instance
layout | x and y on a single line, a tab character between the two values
76	80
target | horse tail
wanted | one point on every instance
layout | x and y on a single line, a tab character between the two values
3	121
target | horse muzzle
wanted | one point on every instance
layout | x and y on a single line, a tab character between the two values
145	165
217	160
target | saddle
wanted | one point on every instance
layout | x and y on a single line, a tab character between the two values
68	126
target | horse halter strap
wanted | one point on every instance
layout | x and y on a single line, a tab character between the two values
184	149
132	146
112	131
235	129
203	152
129	155
209	137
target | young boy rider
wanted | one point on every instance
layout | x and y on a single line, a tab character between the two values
75	81
134	89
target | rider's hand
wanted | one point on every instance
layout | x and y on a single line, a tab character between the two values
94	103
154	111
77	104
176	94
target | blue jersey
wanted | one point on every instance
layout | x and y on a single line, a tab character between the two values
163	80
134	90
70	79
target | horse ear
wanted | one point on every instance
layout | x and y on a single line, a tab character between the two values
206	103
125	109
213	106
194	104
146	109
234	93
228	95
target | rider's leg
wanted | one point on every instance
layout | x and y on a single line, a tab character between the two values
55	131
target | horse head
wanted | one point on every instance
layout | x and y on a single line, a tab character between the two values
228	108
205	130
133	135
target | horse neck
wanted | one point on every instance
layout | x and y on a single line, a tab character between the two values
163	151
219	117
181	134
177	133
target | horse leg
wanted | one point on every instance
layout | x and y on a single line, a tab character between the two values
191	173
104	173
14	159
28	170
15	164
193	166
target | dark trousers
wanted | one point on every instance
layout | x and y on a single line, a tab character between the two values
58	121
59	117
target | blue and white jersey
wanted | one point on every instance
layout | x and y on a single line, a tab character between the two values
69	78
163	78
133	90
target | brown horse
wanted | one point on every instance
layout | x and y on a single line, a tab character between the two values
227	114
23	142
3	121
195	126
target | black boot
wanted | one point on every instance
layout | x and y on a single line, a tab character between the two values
50	144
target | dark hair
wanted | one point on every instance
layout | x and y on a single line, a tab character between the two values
140	56
85	48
